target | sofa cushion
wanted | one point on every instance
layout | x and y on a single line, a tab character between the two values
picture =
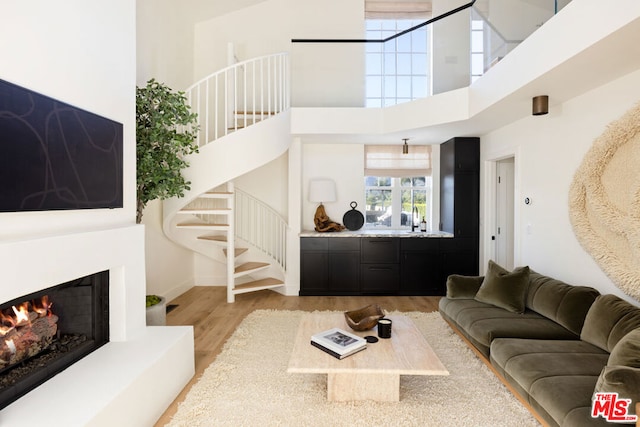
623	380
481	323
504	289
563	303
557	377
627	351
463	287
609	319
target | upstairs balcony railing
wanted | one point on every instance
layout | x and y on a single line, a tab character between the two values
456	47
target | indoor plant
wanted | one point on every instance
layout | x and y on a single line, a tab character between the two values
166	130
156	308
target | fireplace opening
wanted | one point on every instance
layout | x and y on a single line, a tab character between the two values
43	333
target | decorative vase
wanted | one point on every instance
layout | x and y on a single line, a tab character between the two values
157	313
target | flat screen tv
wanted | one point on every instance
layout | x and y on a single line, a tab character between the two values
56	156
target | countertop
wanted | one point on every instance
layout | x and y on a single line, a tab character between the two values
377	233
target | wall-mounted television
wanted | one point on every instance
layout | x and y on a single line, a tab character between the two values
56	156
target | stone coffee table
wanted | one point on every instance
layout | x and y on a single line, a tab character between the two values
371	374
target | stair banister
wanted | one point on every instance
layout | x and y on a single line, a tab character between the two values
268	83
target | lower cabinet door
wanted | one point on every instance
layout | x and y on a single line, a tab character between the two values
314	273
420	274
379	278
344	273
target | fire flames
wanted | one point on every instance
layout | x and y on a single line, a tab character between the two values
23	314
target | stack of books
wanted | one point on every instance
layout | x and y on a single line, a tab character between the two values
338	343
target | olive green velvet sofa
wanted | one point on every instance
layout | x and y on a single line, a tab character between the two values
554	343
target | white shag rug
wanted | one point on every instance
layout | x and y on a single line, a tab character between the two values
604	202
248	385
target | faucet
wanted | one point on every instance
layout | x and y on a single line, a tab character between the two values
414	212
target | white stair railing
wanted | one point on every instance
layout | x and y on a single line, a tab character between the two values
261	226
240	95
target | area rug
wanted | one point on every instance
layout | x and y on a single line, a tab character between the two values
604	202
248	385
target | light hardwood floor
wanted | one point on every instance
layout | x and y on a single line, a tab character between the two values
214	320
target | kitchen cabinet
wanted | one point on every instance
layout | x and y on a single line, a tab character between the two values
460	205
460	187
420	267
329	266
379	265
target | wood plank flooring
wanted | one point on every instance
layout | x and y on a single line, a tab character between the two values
214	320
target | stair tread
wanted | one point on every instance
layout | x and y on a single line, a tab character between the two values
238	251
216	238
201	224
215	195
250	266
190	210
267	282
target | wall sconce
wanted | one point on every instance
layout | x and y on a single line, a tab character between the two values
405	147
540	105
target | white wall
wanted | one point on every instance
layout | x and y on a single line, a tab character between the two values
165	43
269	184
548	151
344	164
165	52
451	41
81	53
318	72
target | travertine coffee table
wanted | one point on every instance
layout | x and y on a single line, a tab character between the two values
372	374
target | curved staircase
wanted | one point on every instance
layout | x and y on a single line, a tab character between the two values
243	113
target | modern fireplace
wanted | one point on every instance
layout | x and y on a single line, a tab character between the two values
43	333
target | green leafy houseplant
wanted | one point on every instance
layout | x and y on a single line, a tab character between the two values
153	300
165	133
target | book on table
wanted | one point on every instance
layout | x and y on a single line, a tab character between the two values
338	342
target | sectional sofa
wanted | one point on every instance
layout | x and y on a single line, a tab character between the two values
555	344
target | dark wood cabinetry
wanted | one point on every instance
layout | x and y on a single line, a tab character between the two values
460	204
379	268
420	272
329	266
408	265
373	266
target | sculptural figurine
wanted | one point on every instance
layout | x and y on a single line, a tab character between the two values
323	223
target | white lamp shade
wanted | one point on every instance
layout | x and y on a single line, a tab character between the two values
322	190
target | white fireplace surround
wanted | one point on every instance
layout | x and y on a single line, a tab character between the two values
132	379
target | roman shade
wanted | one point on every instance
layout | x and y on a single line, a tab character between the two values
388	160
388	9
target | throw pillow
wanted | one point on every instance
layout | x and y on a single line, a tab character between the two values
622	380
504	289
627	351
463	287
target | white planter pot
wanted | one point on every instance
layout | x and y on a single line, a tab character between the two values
157	314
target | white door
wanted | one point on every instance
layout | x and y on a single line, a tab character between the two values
504	212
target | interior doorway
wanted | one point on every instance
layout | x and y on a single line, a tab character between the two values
504	216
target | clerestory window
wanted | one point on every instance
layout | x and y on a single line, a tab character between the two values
397	71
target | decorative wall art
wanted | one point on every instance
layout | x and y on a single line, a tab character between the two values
604	202
56	156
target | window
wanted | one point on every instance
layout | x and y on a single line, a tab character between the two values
396	182
477	47
396	71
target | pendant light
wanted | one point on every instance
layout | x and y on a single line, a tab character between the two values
405	147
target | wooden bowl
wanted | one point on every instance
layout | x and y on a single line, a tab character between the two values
364	318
